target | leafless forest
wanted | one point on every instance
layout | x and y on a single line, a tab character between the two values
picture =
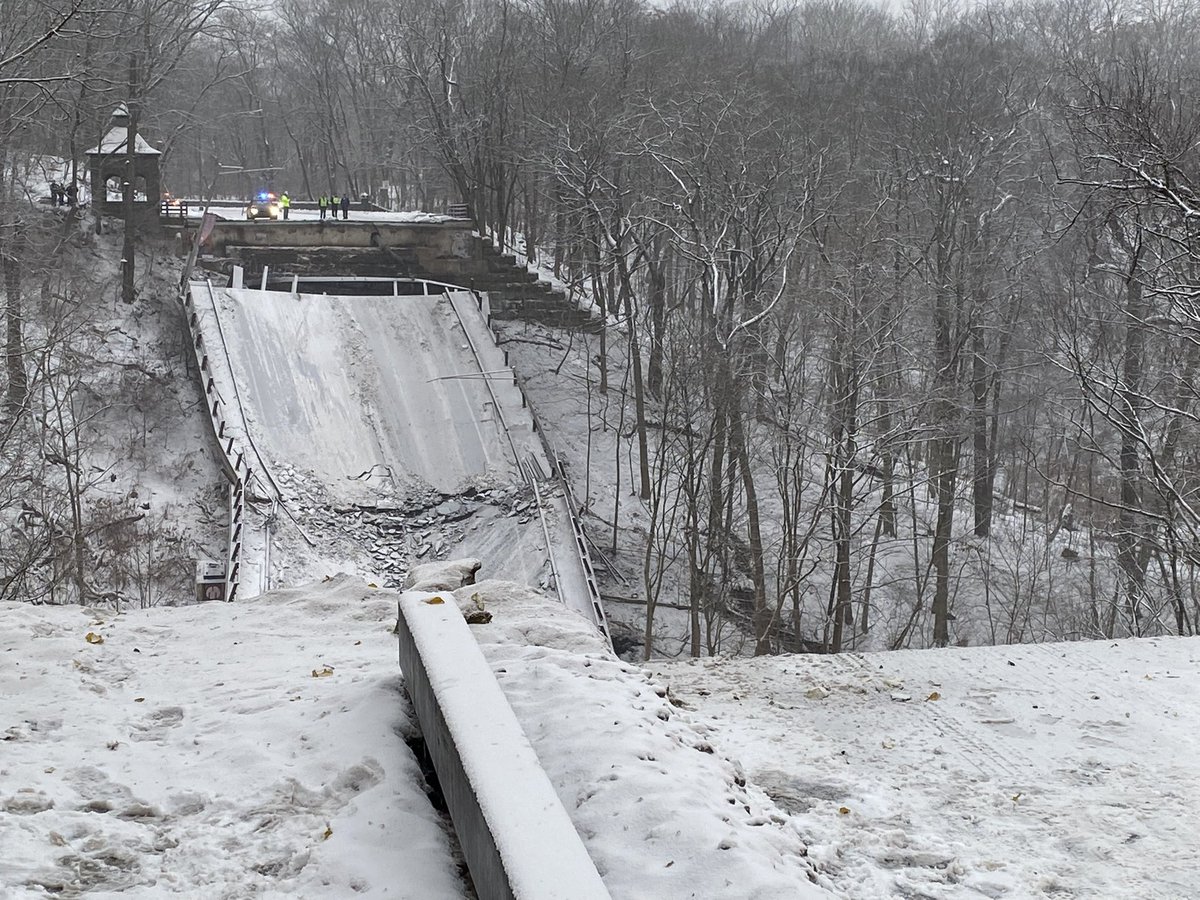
903	303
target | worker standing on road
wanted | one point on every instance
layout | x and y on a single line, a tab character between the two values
323	205
285	203
345	206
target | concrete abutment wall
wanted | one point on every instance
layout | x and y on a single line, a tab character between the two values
447	251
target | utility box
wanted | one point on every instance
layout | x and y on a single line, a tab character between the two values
210	580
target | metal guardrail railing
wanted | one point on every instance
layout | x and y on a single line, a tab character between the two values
585	556
580	539
173	212
438	287
487	381
233	460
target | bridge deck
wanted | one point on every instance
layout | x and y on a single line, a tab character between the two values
376	400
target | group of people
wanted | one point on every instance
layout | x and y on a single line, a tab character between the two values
60	196
332	204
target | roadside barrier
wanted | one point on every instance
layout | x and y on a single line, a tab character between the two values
232	459
517	839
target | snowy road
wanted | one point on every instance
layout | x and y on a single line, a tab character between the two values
1056	770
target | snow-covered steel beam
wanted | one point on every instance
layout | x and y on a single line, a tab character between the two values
517	838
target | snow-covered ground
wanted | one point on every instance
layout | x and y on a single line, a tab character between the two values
1051	770
214	751
663	812
258	748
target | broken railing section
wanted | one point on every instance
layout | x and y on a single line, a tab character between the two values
232	460
518	841
577	532
585	557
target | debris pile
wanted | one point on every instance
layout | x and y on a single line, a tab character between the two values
424	527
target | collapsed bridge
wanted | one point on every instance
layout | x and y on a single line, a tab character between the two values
377	400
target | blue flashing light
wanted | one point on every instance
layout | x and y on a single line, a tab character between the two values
262	196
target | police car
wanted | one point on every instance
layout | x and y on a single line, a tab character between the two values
264	206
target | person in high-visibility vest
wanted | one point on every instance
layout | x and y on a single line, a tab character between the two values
285	203
322	205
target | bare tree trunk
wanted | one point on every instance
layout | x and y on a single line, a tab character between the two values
739	446
841	612
129	244
658	314
864	621
639	391
695	589
887	380
532	224
845	403
763	617
560	233
716	537
11	252
943	458
982	482
605	301
1129	537
944	466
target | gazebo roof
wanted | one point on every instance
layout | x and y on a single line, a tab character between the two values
115	142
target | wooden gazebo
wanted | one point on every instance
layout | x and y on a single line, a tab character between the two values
108	162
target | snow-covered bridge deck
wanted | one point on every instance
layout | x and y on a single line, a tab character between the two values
380	399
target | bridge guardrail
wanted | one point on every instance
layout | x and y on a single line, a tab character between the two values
232	459
580	540
173	212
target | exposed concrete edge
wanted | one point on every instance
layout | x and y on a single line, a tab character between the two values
518	841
